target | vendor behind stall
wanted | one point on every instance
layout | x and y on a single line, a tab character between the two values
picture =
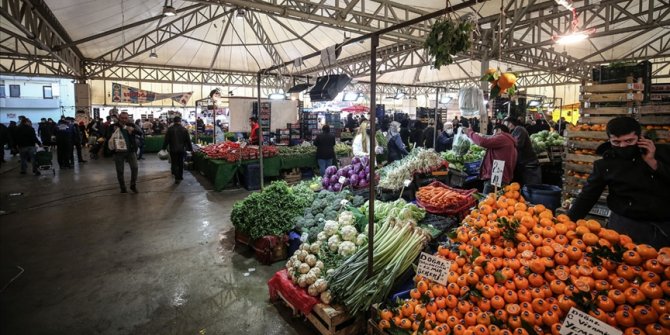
396	147
255	129
325	149
637	174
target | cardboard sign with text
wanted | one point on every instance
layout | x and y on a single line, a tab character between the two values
580	323
434	268
497	173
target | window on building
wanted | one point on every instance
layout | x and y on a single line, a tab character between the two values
14	91
47	93
2	91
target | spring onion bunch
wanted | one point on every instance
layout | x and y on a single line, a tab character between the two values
397	244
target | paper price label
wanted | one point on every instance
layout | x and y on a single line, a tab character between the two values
342	180
580	323
406	182
497	174
434	268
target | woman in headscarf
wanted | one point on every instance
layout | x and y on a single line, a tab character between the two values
361	143
396	147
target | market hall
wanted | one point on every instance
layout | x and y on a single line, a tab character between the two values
334	167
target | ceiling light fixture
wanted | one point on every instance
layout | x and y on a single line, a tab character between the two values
445	99
277	96
240	13
399	95
347	35
575	35
168	10
153	54
351	96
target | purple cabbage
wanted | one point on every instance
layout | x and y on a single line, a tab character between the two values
363	183
355	160
362	175
333	179
325	181
354	180
357	167
331	170
367	169
337	187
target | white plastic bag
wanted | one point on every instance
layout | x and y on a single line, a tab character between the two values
471	101
117	142
163	154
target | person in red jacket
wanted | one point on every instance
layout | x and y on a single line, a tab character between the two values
499	146
253	137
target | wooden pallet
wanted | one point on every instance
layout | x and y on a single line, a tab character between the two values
334	320
654	119
609	88
612	97
595	119
612	111
654	109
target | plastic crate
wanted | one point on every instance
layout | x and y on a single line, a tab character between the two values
251	177
472	168
457	178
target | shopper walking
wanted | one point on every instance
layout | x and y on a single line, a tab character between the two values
325	149
396	147
500	146
26	140
77	140
140	140
177	142
11	130
636	172
123	144
527	171
64	145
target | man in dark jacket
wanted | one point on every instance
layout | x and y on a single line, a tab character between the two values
179	142
25	140
64	145
128	132
637	174
527	171
45	130
416	135
325	149
428	136
4	139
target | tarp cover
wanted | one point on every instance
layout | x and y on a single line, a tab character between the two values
294	295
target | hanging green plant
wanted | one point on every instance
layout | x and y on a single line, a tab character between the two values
447	38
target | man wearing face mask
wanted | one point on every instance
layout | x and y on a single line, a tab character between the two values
637	174
527	171
446	138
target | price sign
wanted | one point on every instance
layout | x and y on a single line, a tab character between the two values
434	268
342	180
406	182
580	323
497	173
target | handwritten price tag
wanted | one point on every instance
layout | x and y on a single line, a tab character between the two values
434	268
407	182
342	180
580	323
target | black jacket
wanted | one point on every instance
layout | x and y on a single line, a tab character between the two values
25	136
524	149
635	190
178	139
444	142
428	135
325	146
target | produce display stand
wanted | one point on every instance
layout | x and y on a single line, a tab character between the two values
299	161
220	172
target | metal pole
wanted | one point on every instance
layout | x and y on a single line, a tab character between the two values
373	159
260	130
437	102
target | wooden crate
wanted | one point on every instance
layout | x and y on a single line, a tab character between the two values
577	167
334	320
591	145
654	109
654	119
581	158
597	135
617	87
610	111
373	329
612	97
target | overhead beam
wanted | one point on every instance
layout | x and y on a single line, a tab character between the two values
218	47
262	35
163	34
122	28
12	63
30	19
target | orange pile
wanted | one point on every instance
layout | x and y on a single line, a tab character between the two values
517	267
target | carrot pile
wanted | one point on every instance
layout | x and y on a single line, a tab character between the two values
440	197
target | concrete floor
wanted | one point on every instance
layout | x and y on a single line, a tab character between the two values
99	262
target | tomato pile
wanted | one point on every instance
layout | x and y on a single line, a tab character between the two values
231	151
517	269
